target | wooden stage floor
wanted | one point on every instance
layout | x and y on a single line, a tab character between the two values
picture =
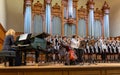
59	69
86	65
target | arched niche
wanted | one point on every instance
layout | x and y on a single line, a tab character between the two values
69	29
97	29
38	24
82	22
38	18
98	23
56	25
56	20
82	27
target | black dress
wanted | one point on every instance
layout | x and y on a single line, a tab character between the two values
8	42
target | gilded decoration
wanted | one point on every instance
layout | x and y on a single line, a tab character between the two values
80	13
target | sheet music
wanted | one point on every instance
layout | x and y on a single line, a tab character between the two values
23	37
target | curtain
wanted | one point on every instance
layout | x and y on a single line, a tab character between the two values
48	18
38	24
91	22
56	26
69	30
106	25
82	28
97	29
27	20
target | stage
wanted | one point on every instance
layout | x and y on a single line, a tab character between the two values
59	69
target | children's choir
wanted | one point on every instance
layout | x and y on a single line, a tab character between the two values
75	50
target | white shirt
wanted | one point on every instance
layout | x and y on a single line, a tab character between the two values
74	43
104	47
101	42
96	47
119	49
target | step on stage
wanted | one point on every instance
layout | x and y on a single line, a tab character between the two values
59	69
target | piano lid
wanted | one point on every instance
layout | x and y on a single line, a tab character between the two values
43	35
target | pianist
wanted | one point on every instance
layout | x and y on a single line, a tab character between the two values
9	39
8	42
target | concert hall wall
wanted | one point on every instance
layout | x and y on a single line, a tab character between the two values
15	13
3	13
2	35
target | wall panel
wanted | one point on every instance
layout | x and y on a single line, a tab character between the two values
113	72
84	73
2	36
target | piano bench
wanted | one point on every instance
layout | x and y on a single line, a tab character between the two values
4	55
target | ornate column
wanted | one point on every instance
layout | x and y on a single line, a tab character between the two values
43	23
48	16
27	16
86	19
62	17
90	8
105	10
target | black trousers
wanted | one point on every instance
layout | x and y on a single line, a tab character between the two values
37	56
104	56
79	53
18	58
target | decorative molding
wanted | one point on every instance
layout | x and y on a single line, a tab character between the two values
105	8
37	8
56	10
28	2
90	4
81	13
56	6
117	37
98	14
71	21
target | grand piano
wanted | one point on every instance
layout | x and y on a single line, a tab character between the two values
26	43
